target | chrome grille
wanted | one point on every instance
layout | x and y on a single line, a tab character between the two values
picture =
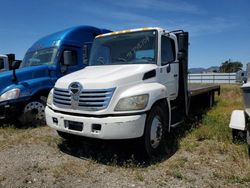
96	99
62	97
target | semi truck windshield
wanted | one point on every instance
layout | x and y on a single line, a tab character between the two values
39	57
127	48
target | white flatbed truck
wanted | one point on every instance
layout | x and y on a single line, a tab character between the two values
135	87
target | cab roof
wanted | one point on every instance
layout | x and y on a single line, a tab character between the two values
129	31
71	35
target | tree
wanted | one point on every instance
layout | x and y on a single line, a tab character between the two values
231	66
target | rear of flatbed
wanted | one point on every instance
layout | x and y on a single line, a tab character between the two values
201	96
199	89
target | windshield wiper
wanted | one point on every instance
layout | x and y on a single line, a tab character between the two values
120	59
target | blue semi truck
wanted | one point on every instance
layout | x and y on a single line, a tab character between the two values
23	92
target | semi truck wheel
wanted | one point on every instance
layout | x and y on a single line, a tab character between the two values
155	129
33	113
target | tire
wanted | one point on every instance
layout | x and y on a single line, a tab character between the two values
155	130
248	137
248	142
33	113
238	136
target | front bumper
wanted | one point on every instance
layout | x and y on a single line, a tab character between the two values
8	111
117	127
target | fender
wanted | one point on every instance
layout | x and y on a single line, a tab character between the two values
39	84
156	92
31	88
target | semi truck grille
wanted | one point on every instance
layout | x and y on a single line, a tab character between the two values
87	99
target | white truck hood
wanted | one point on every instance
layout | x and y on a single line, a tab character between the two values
106	76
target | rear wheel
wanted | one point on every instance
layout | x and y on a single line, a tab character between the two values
155	130
33	113
238	135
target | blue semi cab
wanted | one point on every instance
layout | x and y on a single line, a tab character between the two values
23	92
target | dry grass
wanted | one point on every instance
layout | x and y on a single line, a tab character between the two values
70	168
11	136
206	155
209	145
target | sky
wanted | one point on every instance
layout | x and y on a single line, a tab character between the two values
219	29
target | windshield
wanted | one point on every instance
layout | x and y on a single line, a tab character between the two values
129	48
39	57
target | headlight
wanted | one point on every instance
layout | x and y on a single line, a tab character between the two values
11	94
138	102
50	98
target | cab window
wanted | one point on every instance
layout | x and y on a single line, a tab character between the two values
167	50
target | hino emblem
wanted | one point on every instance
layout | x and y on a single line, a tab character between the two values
75	89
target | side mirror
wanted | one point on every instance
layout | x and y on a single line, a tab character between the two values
67	57
15	64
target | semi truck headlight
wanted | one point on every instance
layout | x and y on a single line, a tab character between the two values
50	98
137	102
11	94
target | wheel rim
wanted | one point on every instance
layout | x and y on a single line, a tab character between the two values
36	109
156	132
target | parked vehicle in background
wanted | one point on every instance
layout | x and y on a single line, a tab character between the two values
241	76
239	122
23	92
135	87
6	62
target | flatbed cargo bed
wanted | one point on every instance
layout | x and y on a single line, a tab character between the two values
198	89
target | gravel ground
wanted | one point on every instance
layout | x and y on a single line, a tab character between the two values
37	157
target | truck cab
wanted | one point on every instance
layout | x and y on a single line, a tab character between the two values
135	87
23	92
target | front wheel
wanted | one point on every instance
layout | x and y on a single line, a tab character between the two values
33	113
155	130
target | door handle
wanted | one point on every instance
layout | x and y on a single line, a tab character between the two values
175	75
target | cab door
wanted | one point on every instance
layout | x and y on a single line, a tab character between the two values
169	66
